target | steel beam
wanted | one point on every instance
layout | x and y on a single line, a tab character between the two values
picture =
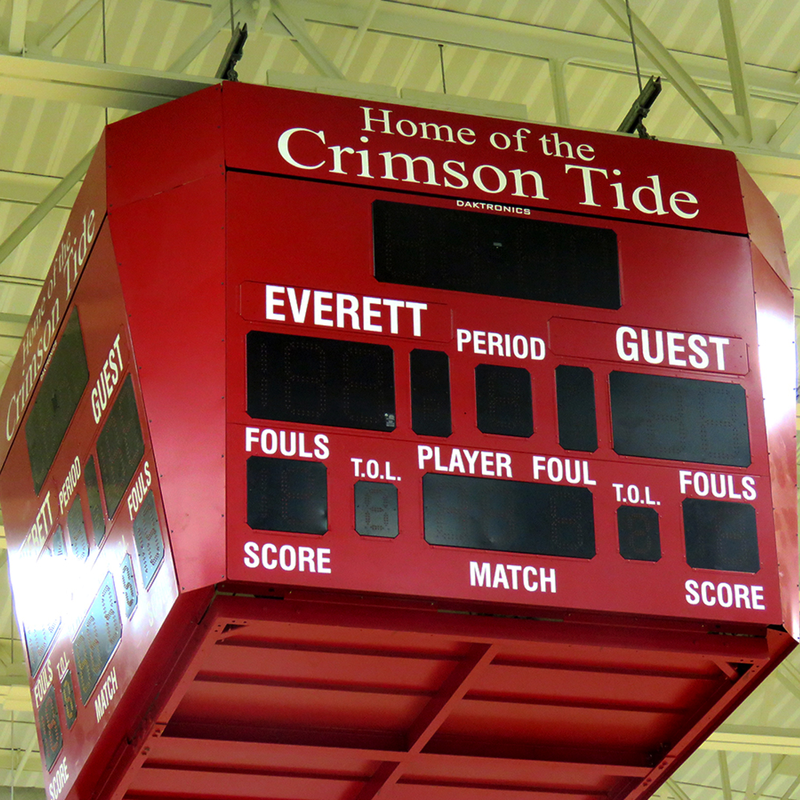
16	32
733	52
19	234
754	739
557	67
532	41
67	22
93	83
217	23
363	27
307	46
674	72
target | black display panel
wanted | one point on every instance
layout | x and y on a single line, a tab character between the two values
376	509
577	420
38	641
149	539
639	536
430	393
130	594
120	447
658	416
68	697
95	504
97	638
285	495
50	728
59	395
720	535
78	538
466	251
320	381
510	516
57	546
503	400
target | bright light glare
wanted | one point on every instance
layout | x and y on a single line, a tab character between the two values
776	353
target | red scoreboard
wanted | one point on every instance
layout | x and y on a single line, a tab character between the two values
360	353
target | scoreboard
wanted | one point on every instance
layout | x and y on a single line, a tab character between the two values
355	352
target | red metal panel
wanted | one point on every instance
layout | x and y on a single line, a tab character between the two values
173	286
764	226
173	144
281	131
485	740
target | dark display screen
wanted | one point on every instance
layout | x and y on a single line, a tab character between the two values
120	447
130	594
68	696
639	537
720	535
77	530
376	509
59	395
285	495
503	400
149	539
430	393
97	638
511	516
658	416
50	728
577	420
443	248
95	504
38	641
320	381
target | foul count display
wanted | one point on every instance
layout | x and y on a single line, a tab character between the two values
356	350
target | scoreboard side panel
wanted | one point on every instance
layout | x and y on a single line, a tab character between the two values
777	357
173	278
90	561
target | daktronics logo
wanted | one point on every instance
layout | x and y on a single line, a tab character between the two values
310	150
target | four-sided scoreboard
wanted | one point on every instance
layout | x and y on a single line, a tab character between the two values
370	355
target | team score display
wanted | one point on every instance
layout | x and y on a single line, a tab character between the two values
373	470
634	495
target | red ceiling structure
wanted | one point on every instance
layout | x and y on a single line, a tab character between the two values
358	450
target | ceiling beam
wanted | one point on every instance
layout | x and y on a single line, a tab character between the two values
307	46
16	31
67	22
754	739
733	51
93	83
672	70
558	84
218	22
532	41
363	27
20	233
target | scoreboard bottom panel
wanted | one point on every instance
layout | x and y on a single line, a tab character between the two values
345	511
